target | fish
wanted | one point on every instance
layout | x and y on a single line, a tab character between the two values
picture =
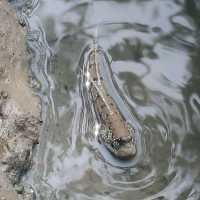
112	129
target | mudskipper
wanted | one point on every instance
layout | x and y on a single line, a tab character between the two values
112	129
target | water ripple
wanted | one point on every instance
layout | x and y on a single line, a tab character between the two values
154	54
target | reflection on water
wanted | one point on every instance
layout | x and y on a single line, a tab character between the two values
154	48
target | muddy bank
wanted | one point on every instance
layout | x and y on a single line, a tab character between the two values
19	108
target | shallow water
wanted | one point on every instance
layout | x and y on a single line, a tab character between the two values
154	51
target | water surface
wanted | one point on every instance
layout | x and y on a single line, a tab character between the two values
154	51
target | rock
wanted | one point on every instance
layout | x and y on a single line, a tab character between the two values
19	109
19	189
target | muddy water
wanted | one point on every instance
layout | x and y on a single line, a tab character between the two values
153	47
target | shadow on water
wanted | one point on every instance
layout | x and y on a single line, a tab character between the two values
154	51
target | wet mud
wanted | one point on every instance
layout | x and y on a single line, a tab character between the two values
20	108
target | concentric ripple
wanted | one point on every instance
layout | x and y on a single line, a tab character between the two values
89	116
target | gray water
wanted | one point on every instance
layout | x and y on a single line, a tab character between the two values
154	47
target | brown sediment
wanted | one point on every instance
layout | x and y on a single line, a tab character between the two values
19	107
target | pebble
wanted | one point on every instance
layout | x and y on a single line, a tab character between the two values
19	189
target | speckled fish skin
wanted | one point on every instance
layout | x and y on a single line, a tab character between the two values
115	133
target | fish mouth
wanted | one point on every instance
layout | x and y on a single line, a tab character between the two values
123	148
126	151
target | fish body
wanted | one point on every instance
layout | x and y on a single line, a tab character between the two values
113	130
